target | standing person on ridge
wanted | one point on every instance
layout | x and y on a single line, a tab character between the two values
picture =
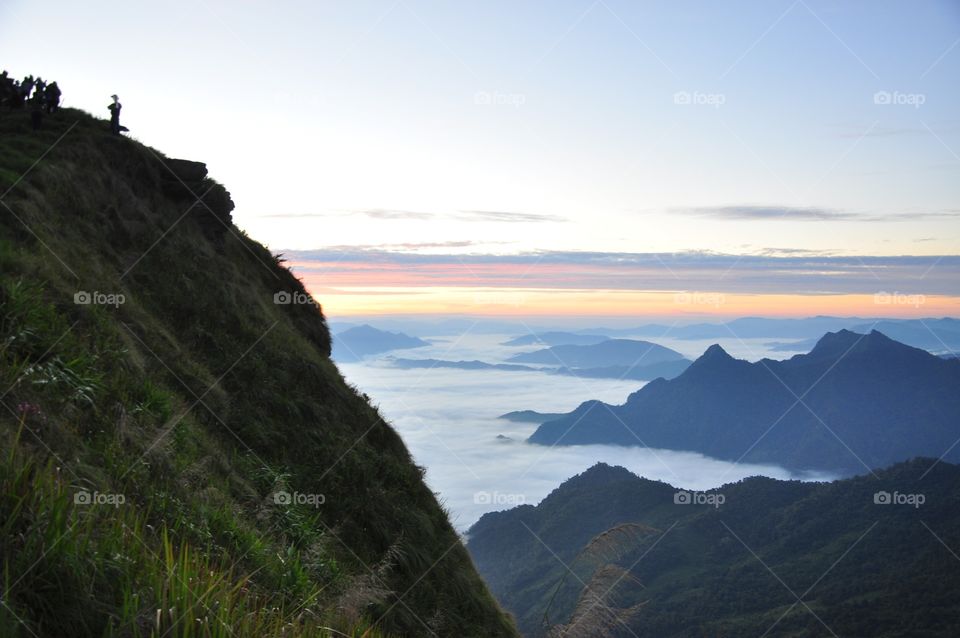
115	115
36	110
52	97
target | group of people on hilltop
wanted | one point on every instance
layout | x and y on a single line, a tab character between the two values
44	98
41	97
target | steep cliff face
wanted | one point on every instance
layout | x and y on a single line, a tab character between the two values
179	453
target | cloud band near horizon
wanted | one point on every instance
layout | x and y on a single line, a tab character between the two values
362	281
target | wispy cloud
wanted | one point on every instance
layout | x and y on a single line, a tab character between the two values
504	216
798	213
385	213
795	252
768	212
415	246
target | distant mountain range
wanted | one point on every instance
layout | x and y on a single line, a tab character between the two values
610	352
529	416
410	364
854	402
666	369
929	334
915	332
744	328
555	339
358	342
935	335
611	554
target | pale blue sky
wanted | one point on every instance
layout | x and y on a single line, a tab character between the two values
570	113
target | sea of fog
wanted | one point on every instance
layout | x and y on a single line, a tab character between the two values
448	419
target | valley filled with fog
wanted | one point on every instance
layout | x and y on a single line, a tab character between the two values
448	419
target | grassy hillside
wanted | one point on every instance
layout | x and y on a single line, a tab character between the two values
611	554
180	457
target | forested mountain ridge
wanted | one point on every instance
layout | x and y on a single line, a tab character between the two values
611	554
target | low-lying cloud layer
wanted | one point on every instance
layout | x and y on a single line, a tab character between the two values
448	420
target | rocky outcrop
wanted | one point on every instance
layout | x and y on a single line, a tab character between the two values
212	206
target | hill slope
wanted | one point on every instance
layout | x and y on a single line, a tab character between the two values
854	402
611	554
180	456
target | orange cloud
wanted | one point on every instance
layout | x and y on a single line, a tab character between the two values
343	302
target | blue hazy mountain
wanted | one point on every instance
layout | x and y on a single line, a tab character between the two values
743	328
411	364
935	335
529	416
356	343
638	372
611	352
665	369
854	402
555	339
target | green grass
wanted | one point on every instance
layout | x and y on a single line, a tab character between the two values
197	400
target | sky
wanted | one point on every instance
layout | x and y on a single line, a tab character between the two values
414	156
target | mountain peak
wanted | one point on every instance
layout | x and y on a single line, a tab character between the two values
836	344
713	359
716	351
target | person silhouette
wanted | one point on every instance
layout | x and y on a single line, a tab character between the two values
52	97
8	87
115	115
26	88
36	110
